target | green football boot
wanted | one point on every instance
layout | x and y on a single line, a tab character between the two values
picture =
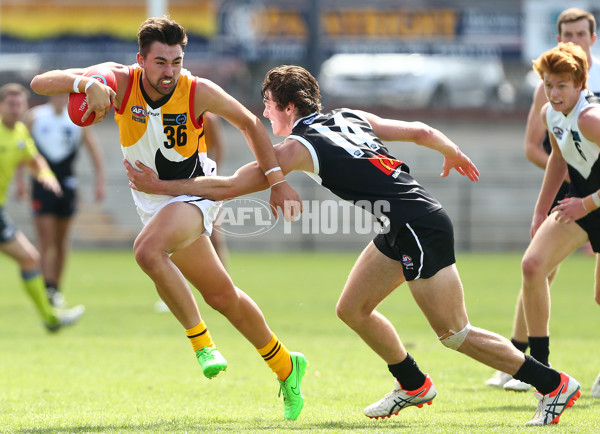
293	401
212	361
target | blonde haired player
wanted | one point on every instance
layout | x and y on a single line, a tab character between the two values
577	26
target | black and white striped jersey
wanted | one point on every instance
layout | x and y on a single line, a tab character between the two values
351	161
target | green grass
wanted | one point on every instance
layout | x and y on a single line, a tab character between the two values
126	368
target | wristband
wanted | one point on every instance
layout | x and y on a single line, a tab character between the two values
76	84
89	83
274	169
274	175
596	199
583	205
278	182
589	204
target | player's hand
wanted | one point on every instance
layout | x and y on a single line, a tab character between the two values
537	221
100	191
462	164
569	209
142	178
286	198
49	182
100	99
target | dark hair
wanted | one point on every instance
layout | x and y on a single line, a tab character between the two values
575	14
566	58
293	84
13	89
162	30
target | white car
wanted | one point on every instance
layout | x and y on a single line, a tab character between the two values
414	80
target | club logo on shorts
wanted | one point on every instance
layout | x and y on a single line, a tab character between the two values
558	132
407	262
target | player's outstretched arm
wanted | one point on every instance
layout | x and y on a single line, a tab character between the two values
248	179
424	135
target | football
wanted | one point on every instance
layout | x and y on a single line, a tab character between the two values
78	102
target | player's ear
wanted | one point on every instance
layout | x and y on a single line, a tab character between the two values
139	59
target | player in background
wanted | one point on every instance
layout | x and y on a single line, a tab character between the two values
159	111
58	140
574	127
343	151
577	26
17	147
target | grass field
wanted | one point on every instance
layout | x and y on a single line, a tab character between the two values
125	368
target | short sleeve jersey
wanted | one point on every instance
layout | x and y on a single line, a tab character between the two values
351	161
57	138
16	146
580	153
164	135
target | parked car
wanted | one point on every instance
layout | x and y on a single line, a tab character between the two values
414	80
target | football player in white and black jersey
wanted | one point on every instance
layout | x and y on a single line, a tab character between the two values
573	124
343	151
577	26
58	140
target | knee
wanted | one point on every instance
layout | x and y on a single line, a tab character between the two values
146	254
30	260
349	314
531	266
341	312
454	340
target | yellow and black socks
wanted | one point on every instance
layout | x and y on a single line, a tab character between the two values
199	337
277	357
36	288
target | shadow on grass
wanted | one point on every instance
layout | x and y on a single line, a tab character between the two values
229	425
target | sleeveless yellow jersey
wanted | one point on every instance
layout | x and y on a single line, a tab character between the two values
164	135
16	146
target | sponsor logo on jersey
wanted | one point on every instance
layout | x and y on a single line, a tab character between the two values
558	132
407	262
174	118
387	165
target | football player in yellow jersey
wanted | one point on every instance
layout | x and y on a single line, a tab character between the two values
159	108
16	147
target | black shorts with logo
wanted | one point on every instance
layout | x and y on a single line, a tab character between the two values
424	246
46	202
8	230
